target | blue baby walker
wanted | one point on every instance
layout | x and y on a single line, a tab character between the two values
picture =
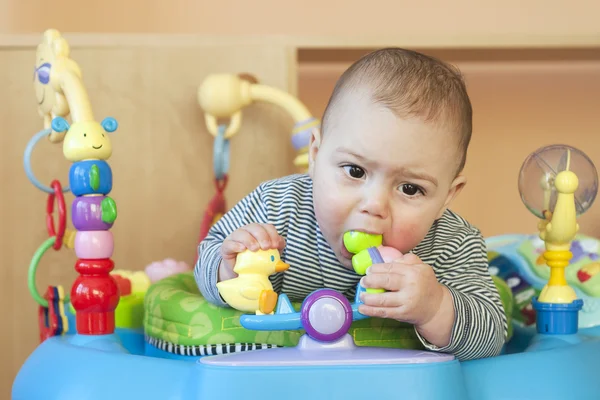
557	360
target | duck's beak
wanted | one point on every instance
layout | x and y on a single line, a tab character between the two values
281	266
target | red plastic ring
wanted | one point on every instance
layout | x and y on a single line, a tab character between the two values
62	214
221	184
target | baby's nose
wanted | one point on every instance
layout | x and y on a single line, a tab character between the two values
376	204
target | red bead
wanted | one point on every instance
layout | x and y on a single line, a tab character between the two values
95	296
124	285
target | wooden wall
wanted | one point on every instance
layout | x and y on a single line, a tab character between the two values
406	21
161	162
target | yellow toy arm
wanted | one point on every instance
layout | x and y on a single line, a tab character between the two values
224	95
51	101
66	79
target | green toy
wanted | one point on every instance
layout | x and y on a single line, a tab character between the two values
368	250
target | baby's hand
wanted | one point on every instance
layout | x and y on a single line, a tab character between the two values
251	237
414	294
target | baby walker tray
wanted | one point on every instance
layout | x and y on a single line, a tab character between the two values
326	363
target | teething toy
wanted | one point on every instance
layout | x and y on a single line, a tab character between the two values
368	250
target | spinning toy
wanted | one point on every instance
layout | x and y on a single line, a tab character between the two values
562	200
95	361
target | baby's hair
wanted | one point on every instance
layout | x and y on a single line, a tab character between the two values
412	84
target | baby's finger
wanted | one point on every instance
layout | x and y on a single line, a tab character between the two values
381	312
277	241
232	247
387	299
397	265
246	238
409	258
261	235
386	268
391	282
281	243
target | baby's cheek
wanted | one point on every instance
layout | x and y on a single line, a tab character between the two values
404	237
330	211
325	210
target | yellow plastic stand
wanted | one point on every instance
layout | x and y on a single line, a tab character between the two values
558	231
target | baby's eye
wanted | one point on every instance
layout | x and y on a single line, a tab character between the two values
410	190
354	171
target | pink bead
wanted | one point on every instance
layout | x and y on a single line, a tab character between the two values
94	244
389	254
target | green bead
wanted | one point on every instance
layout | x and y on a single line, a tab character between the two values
95	177
362	261
109	210
370	290
356	242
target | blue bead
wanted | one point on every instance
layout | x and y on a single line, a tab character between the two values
81	181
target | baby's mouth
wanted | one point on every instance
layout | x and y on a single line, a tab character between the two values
345	252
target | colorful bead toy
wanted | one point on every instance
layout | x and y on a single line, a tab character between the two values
86	144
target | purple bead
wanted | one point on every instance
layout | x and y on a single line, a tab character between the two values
326	315
86	214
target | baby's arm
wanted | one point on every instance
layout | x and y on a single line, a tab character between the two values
480	325
249	210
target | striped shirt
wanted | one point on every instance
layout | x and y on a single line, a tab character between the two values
453	248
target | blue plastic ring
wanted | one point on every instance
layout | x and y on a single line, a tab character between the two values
27	162
221	154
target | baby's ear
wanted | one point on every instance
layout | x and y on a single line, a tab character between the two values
313	149
455	188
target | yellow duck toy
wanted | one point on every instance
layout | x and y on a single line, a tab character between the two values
252	291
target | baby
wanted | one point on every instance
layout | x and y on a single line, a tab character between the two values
389	161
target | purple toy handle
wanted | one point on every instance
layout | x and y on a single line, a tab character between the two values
375	255
326	315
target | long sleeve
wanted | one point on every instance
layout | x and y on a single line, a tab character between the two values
249	210
480	325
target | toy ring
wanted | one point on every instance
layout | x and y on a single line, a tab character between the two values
62	215
221	154
27	162
35	261
232	129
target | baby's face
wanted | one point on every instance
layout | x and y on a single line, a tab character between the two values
377	173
